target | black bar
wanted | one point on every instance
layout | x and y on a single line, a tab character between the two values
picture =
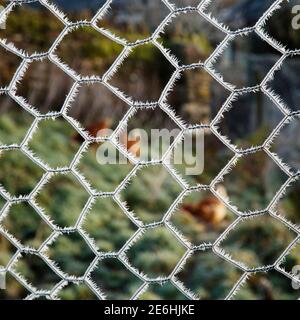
155	309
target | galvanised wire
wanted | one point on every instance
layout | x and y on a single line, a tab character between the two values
207	65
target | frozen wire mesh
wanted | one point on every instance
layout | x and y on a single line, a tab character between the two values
207	65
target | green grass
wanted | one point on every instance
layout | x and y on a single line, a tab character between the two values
156	253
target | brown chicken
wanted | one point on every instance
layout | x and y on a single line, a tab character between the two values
210	209
94	129
133	145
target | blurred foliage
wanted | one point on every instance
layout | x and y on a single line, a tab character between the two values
61	143
157	251
251	251
26	225
23	173
115	280
112	174
87	51
161	190
10	120
63	198
106	221
35	32
76	259
209	276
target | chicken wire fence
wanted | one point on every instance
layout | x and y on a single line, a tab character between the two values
190	249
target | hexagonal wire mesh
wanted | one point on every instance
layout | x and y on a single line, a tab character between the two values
93	195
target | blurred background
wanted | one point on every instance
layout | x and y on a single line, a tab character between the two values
197	99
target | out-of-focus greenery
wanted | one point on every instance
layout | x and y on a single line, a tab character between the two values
8	134
60	143
86	43
87	51
23	173
156	253
35	31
